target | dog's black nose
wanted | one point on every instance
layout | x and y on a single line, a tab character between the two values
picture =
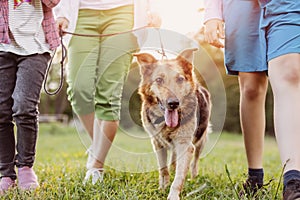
173	103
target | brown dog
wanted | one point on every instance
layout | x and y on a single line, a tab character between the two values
175	112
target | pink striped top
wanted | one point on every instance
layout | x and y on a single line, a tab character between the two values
49	27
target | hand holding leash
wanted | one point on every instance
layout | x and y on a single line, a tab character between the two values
214	31
62	24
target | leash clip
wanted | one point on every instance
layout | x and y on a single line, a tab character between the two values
162	51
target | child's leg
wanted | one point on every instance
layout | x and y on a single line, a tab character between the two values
281	27
83	55
286	89
114	63
105	132
244	56
253	88
7	140
30	76
284	74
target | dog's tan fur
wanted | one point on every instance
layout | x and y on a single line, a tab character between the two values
175	112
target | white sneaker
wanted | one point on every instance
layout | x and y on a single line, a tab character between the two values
95	173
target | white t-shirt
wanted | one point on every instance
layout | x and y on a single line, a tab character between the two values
103	4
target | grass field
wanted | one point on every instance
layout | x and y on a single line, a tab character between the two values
131	172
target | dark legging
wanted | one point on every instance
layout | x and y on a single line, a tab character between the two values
21	79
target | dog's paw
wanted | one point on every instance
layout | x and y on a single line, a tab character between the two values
164	182
173	196
194	173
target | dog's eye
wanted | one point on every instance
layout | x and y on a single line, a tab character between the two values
180	79
159	80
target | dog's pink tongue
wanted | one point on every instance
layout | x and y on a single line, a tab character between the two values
171	118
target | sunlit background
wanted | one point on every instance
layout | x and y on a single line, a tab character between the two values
180	16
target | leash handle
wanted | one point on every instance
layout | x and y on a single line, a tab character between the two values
63	57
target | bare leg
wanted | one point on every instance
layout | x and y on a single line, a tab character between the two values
88	123
104	134
253	88
284	72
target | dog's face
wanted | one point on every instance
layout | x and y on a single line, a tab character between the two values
167	82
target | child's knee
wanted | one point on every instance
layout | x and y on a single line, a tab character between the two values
25	109
285	70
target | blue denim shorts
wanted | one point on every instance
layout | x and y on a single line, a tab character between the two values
280	27
243	50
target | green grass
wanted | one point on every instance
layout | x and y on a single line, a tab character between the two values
60	166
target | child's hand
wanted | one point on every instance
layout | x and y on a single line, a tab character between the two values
214	31
62	23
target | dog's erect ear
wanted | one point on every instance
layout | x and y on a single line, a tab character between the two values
187	54
145	58
147	63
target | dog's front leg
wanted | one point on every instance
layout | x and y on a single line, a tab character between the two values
184	150
161	155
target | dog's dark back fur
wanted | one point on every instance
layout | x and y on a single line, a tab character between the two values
204	111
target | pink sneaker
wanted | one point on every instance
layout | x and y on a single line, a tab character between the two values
5	184
27	179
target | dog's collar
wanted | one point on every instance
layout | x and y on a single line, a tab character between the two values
159	119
